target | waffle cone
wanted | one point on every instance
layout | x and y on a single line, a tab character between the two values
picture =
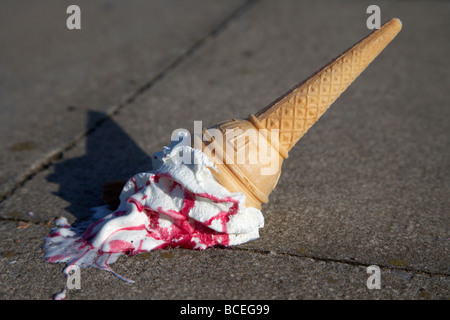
234	146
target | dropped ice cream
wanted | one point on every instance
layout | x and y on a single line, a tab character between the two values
181	204
177	204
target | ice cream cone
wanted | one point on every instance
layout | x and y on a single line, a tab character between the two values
251	163
232	144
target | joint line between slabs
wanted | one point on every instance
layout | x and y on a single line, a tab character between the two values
351	263
48	159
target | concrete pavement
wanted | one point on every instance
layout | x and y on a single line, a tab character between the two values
367	185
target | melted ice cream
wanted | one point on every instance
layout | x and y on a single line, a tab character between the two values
175	205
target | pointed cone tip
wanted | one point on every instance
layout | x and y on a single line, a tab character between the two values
395	24
398	22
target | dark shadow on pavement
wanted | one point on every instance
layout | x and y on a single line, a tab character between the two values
110	155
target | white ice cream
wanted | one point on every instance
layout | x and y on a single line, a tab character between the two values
174	205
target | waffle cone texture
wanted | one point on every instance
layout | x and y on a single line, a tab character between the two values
280	125
284	122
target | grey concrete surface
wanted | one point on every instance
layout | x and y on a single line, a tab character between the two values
51	77
367	185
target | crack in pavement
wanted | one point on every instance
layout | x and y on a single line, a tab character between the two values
347	262
289	254
58	152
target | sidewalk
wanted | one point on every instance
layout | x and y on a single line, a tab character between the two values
367	185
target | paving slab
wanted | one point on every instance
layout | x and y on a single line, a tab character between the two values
213	274
51	77
367	185
369	182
